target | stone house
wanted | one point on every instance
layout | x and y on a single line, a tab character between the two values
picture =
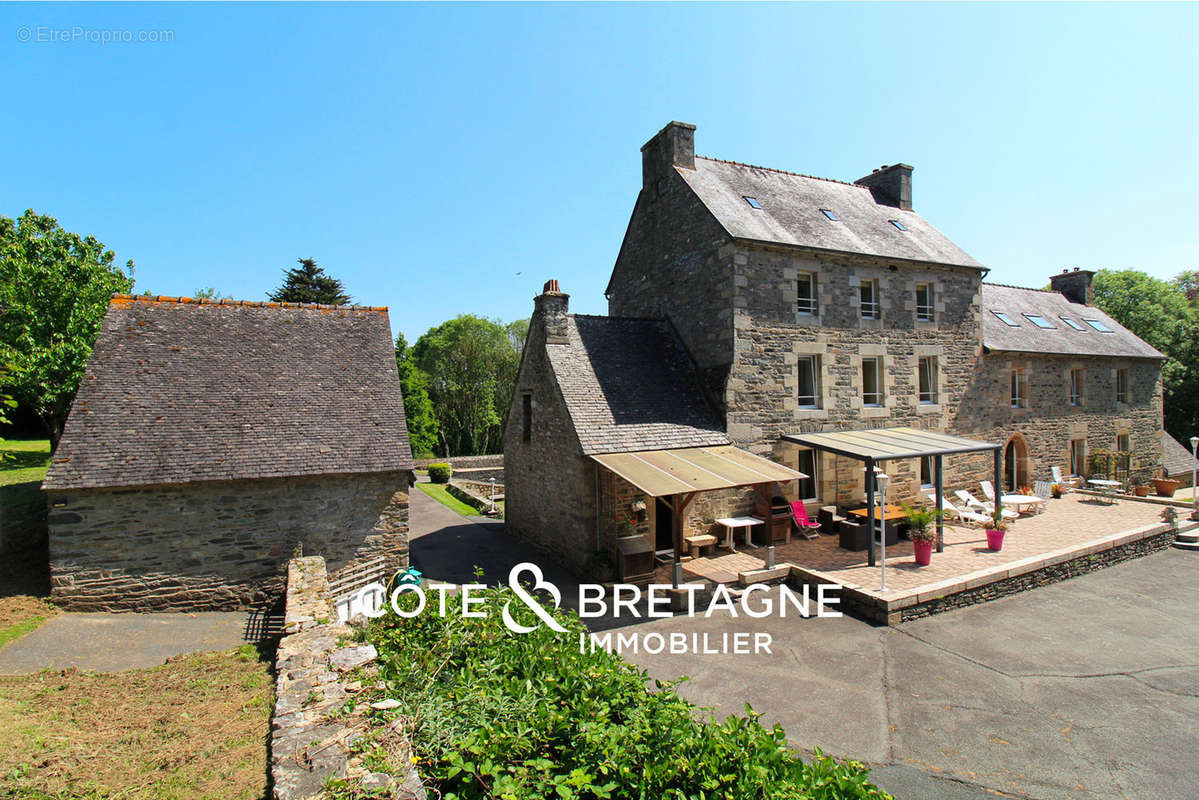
812	305
211	441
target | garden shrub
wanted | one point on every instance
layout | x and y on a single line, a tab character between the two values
494	714
440	473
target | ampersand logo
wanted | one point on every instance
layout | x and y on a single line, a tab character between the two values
539	584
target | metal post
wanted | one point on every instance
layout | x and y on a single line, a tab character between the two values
998	483
870	508
770	557
1194	474
882	490
940	505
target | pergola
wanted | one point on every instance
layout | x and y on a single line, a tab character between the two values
679	475
879	445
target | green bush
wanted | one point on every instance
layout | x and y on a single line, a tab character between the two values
440	473
494	714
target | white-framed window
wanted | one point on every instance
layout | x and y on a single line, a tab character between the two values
809	464
1019	388
805	294
1122	386
872	381
808	372
928	380
868	292
925	308
1076	386
1078	456
928	472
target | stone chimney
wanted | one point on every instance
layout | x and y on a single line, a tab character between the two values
891	186
673	146
549	311
1077	285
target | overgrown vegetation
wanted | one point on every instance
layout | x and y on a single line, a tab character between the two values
195	727
438	492
493	714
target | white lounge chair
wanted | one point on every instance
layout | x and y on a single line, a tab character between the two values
980	507
948	509
1060	481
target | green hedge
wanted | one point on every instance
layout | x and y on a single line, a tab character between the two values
440	473
494	714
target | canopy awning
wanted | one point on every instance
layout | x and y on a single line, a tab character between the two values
886	444
660	473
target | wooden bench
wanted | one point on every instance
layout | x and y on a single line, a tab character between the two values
705	543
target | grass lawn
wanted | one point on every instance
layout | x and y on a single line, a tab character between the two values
25	460
195	727
438	492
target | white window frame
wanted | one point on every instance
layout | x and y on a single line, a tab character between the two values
809	305
869	309
927	396
879	395
813	473
1019	388
926	312
930	463
815	396
1077	386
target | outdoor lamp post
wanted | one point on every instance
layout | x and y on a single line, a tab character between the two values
881	479
1194	470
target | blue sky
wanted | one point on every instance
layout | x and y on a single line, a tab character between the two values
445	159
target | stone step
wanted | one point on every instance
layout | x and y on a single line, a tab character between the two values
1181	545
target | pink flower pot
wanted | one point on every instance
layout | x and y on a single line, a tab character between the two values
994	539
924	552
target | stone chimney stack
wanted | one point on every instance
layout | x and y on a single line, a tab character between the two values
549	311
891	186
673	146
1077	285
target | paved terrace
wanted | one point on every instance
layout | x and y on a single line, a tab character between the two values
1071	527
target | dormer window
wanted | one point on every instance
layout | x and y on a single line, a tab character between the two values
830	215
753	201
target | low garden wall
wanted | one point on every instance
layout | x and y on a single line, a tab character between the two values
316	722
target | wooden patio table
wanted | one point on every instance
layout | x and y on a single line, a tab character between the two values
892	513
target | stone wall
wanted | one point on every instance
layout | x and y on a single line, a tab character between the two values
216	545
549	486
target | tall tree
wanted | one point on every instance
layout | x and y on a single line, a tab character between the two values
418	408
308	283
1159	312
54	290
471	363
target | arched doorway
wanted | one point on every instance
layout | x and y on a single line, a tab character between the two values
1015	464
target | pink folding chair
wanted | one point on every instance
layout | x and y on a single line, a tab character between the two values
807	528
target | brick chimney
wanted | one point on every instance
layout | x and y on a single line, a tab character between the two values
549	311
673	146
891	186
1077	285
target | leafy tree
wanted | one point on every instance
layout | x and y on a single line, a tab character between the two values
54	290
471	363
418	408
1159	312
308	283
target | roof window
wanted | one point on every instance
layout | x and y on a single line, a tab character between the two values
1006	319
898	224
830	215
1098	325
753	201
1072	323
1040	322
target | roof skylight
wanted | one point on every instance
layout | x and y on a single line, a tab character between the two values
898	224
830	215
1072	323
1040	322
1006	319
753	201
1098	325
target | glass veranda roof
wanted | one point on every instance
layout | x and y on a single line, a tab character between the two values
660	473
886	444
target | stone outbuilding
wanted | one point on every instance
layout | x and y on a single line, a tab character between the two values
210	442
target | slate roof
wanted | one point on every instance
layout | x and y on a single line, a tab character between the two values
181	390
790	214
1063	339
1176	458
629	385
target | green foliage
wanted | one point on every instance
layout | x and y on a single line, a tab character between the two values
210	293
471	363
54	290
919	522
440	493
1164	314
308	283
418	408
440	473
494	714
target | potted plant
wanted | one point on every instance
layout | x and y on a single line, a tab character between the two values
921	532
1165	485
1142	490
995	527
1056	491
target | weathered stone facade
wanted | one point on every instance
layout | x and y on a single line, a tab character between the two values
216	545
